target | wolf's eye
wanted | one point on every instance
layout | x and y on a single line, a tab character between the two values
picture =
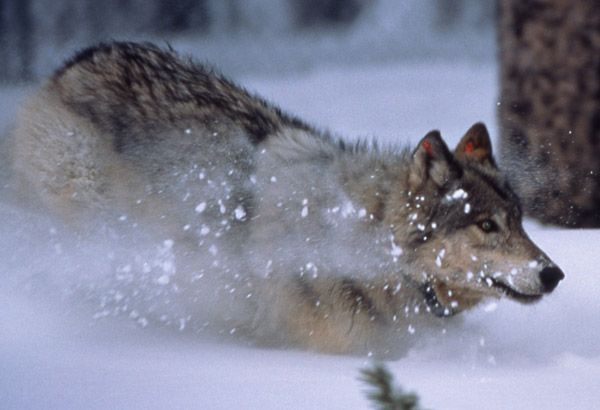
487	225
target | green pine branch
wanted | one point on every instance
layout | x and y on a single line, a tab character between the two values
383	394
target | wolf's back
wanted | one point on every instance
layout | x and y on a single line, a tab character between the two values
127	87
119	121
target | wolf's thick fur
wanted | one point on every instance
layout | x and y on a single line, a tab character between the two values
332	247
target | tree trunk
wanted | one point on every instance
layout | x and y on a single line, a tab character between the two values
550	107
16	44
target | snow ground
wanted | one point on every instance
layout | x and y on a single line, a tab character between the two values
53	354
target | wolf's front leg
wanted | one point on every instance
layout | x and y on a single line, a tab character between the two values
329	314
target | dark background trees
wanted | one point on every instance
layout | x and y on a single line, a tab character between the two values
37	35
26	26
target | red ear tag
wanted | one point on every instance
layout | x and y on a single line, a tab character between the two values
427	146
469	147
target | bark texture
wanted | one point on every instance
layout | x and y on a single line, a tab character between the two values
550	107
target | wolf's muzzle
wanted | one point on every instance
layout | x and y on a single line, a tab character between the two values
550	276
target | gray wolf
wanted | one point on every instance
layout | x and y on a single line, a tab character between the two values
321	244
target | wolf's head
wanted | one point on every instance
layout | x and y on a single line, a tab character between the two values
464	231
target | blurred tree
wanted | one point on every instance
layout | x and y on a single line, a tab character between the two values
448	12
550	107
16	42
475	13
177	16
310	13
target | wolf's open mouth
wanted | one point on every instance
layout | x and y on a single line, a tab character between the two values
441	310
433	303
514	294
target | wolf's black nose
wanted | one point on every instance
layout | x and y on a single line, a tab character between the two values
550	276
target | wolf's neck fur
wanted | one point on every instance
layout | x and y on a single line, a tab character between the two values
371	178
371	183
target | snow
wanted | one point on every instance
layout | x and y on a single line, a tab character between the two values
200	207
456	195
240	213
54	354
304	212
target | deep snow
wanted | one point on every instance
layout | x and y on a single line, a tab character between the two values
54	354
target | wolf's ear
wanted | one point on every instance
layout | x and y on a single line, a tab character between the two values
431	161
475	145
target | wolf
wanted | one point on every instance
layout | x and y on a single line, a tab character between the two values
321	244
